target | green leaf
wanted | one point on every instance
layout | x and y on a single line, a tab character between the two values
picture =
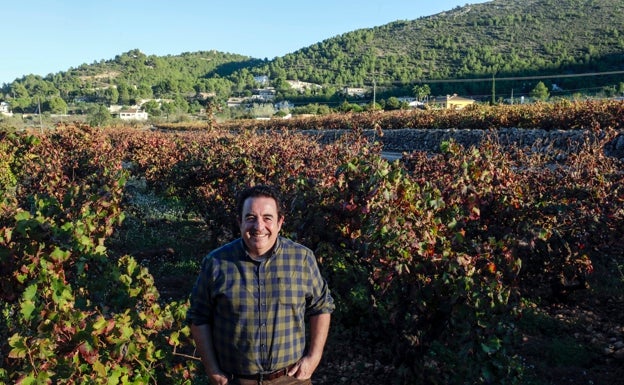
174	338
61	293
487	375
544	234
99	325
86	241
29	380
18	343
59	255
26	309
22	216
493	345
132	265
30	292
100	369
126	332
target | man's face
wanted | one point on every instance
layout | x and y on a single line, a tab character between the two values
260	224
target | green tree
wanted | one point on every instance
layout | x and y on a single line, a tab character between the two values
182	106
144	90
374	106
349	107
152	107
421	92
609	91
57	105
124	93
281	84
393	103
264	110
112	95
99	116
540	92
18	91
21	104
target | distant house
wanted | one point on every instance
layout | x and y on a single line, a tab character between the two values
283	105
411	101
263	80
235	102
452	102
264	94
355	91
4	109
205	95
115	108
301	87
416	104
133	114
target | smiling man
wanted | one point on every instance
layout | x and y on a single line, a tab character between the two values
252	297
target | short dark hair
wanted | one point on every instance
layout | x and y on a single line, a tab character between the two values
260	190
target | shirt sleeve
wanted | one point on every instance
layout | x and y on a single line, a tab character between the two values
320	301
200	309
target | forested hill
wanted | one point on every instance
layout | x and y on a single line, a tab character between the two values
500	39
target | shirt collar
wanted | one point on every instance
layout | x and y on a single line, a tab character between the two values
276	247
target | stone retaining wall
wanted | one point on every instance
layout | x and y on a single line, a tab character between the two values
407	140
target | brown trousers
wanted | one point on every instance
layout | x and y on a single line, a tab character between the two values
284	380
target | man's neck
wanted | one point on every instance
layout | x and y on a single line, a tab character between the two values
261	257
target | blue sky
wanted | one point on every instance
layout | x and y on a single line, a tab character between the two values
48	36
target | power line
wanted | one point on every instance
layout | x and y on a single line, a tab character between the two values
535	77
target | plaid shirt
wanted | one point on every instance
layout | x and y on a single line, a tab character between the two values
256	309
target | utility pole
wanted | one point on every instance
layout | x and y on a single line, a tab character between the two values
374	92
493	88
374	73
39	109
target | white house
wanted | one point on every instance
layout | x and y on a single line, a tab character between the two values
263	80
4	109
133	114
235	102
302	86
265	94
283	105
355	91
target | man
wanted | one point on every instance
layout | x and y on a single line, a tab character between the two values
250	301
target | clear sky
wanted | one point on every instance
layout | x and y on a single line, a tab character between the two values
48	36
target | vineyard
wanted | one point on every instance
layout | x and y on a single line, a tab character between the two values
486	264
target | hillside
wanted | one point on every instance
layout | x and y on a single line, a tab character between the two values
503	40
508	38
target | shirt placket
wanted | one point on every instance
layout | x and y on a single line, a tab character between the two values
262	313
